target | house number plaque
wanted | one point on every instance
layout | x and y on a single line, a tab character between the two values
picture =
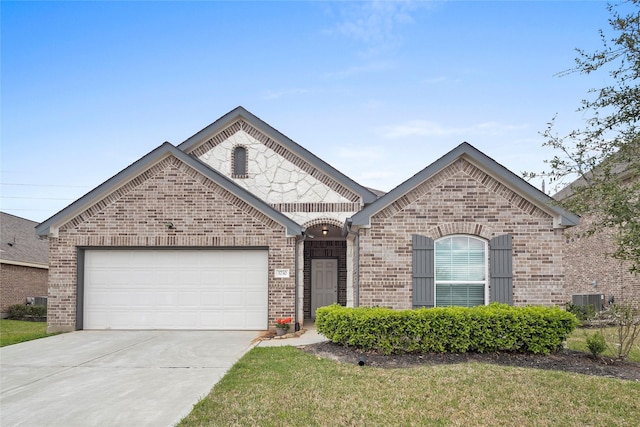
281	273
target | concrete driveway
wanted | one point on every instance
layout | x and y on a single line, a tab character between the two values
114	378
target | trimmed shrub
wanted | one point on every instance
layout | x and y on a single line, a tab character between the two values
596	343
496	327
27	312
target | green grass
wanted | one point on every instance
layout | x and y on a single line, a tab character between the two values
16	331
278	386
577	341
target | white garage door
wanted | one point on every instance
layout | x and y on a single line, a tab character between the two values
175	289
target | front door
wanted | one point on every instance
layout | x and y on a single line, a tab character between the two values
324	283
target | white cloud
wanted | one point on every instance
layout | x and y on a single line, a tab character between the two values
375	21
435	80
368	153
359	69
273	94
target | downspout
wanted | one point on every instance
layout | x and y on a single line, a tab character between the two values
356	255
298	240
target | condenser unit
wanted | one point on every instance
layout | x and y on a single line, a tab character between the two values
596	300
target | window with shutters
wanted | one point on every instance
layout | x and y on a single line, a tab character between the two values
461	271
239	162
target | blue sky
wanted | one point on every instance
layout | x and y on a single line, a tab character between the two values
377	89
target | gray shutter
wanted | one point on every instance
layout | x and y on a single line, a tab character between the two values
500	269
423	271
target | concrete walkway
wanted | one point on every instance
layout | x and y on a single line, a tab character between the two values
310	336
114	378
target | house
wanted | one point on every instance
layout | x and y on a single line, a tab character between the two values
589	269
24	262
239	225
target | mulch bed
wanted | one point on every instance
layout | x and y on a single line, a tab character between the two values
563	360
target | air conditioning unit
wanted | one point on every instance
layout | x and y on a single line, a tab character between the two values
596	300
40	301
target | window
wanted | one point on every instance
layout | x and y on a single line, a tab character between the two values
239	162
460	271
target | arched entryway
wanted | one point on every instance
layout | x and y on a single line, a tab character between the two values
325	267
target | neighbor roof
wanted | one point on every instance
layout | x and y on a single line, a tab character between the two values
562	217
19	243
234	115
50	226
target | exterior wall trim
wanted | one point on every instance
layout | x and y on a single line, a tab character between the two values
25	264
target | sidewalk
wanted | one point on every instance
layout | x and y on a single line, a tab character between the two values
309	336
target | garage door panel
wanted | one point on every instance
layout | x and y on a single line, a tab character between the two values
175	289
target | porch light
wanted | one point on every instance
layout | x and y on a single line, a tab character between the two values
325	231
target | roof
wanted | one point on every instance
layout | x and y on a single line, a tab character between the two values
622	171
562	218
237	113
51	225
19	243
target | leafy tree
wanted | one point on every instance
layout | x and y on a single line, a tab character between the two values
604	155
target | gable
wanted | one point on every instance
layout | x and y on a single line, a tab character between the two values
462	186
274	174
279	171
182	182
483	170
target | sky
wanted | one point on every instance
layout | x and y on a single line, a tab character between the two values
379	90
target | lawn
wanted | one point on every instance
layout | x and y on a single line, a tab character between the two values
577	341
277	386
15	331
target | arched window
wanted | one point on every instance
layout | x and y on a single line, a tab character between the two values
460	271
239	162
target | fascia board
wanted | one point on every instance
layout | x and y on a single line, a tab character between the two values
155	156
51	225
487	164
239	112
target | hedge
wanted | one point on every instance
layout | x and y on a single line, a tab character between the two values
27	312
482	329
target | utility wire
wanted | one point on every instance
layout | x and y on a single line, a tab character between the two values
44	185
33	198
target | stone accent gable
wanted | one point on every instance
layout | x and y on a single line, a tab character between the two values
463	167
275	174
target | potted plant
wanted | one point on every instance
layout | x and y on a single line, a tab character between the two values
282	325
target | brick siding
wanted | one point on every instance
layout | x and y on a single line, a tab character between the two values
460	199
587	260
203	214
20	282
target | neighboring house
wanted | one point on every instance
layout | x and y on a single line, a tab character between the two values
239	225
589	269
24	262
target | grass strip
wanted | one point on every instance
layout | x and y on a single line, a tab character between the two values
17	331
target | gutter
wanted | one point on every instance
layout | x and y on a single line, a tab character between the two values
295	313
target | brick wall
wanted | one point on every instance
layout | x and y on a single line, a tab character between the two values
19	282
460	199
587	261
203	215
